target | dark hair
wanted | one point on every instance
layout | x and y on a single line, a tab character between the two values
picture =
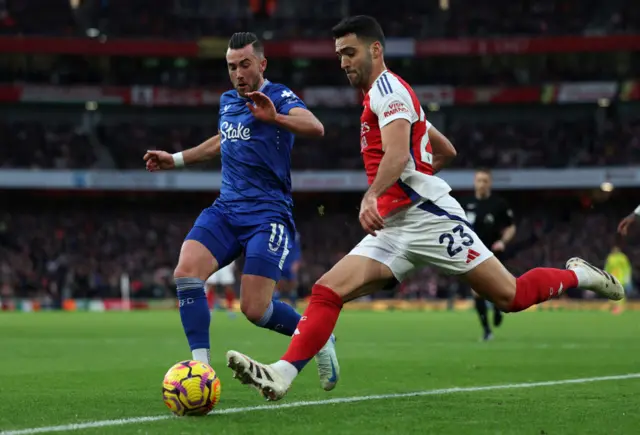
484	170
242	39
363	26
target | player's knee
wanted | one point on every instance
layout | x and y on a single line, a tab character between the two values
341	288
327	281
500	295
492	281
503	305
336	278
253	310
193	269
504	300
195	261
185	271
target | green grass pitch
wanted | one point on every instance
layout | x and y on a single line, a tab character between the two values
66	368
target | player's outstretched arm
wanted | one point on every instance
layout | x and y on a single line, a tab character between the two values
395	136
623	226
301	122
162	160
298	121
443	150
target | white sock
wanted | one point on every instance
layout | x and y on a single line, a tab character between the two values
583	277
286	370
201	355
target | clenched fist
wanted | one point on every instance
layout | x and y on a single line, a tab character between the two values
159	161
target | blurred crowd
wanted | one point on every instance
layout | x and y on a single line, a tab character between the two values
39	146
472	71
188	19
84	253
533	144
82	250
497	145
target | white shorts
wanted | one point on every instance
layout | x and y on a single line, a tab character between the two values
223	276
426	234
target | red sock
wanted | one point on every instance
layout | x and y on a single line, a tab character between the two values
315	326
231	297
541	284
211	298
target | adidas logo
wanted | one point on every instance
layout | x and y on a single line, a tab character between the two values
472	255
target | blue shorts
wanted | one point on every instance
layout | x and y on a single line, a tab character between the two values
265	241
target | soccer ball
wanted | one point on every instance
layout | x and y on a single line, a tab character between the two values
191	388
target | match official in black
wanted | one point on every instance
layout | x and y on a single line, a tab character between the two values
492	220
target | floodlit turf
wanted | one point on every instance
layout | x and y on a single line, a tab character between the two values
64	368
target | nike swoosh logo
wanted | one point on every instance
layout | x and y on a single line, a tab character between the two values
334	376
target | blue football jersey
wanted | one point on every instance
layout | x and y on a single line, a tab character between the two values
256	156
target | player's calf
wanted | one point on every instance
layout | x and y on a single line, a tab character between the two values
287	289
194	266
491	280
195	316
511	294
257	305
255	297
351	277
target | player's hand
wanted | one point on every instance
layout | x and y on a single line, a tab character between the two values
262	107
158	161
623	226
498	246
370	218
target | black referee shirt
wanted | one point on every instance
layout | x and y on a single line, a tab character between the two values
489	216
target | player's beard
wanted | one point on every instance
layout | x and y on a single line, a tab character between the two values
359	79
249	87
242	90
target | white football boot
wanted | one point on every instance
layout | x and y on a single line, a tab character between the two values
328	367
596	280
263	378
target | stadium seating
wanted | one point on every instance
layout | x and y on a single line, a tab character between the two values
89	246
130	18
498	145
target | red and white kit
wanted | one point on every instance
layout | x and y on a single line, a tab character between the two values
424	225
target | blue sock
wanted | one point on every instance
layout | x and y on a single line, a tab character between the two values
280	317
195	315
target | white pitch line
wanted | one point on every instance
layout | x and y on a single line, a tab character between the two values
442	391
